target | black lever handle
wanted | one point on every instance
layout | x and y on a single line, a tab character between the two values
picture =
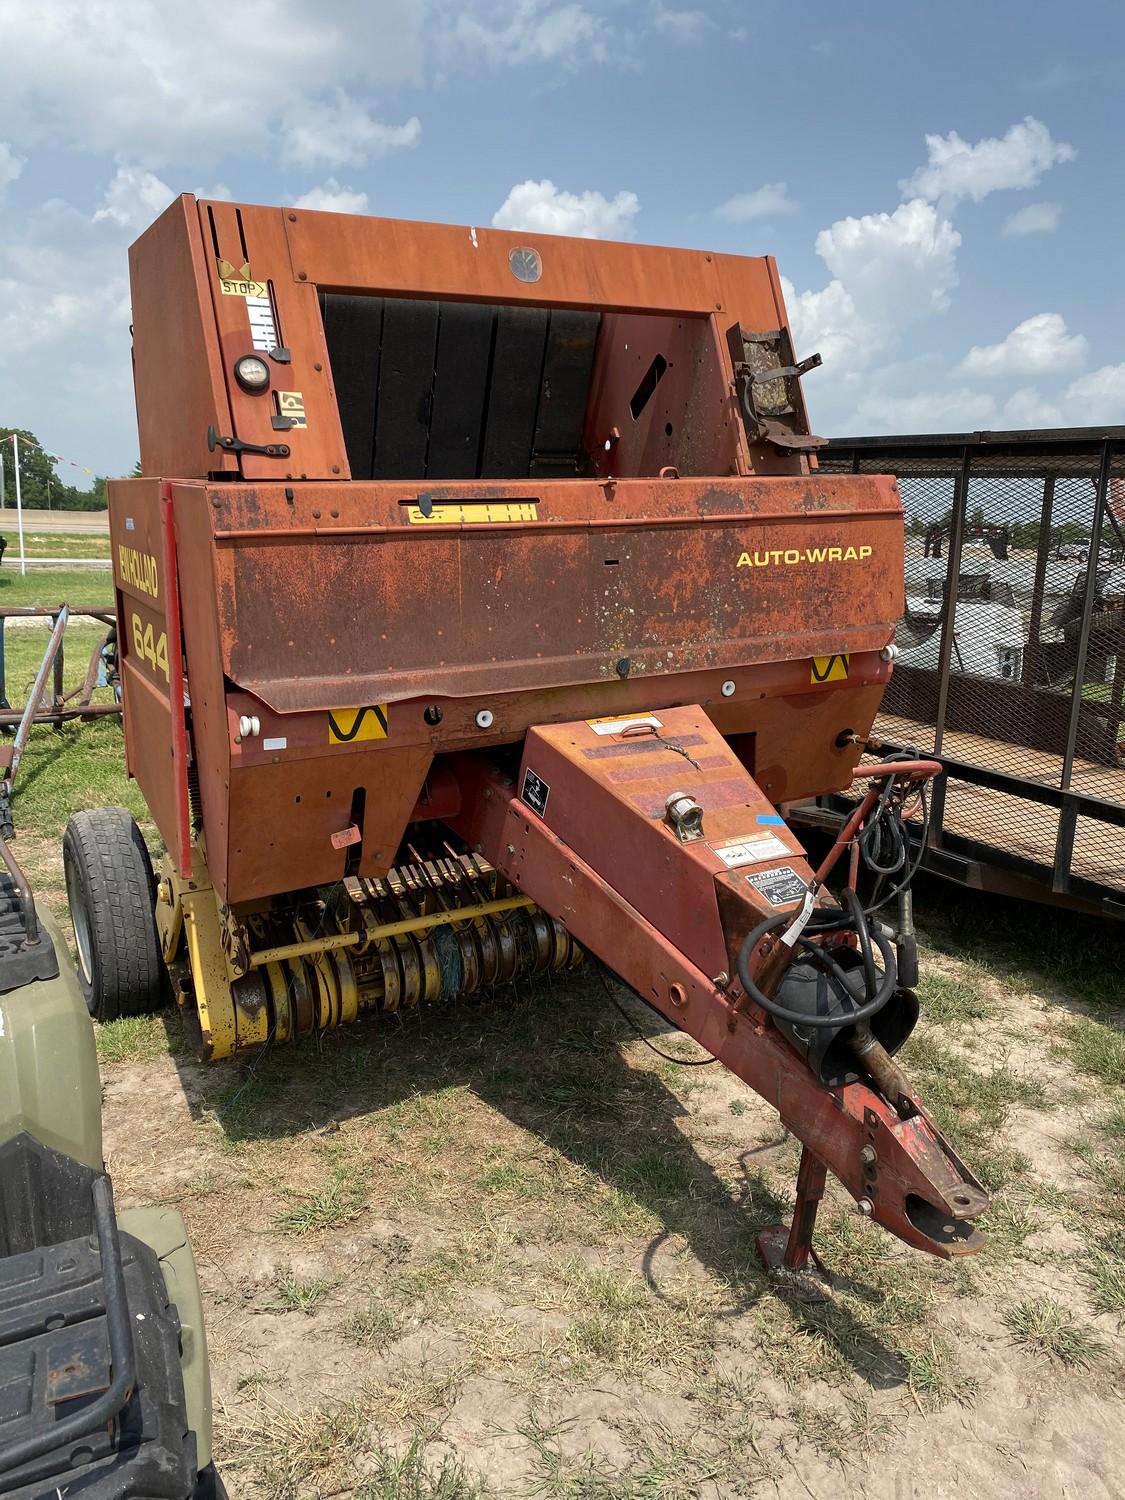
236	445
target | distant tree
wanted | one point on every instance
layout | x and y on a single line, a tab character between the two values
40	486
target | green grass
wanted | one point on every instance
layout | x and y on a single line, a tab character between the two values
91	587
132	1039
1095	1047
302	1293
414	1475
342	1198
61	544
1083	956
948	1002
373	1327
1047	1327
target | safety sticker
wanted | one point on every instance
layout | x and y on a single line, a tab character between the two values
235	286
454	513
346	836
754	850
829	668
291	404
346	726
618	726
535	792
780	886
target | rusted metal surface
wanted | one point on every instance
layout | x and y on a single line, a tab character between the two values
692	619
918	1179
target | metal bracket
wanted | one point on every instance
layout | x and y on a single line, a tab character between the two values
236	445
767	382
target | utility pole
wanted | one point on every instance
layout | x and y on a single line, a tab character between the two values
19	500
3	502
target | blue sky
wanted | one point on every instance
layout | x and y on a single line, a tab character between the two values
941	185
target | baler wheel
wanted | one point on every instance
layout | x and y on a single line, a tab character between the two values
110	891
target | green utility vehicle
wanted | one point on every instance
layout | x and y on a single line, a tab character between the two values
104	1387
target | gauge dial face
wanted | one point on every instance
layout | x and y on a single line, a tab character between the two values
525	264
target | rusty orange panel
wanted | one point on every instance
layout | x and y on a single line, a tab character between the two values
177	372
336	596
256	237
352	253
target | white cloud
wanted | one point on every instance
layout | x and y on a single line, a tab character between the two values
1017	159
763	203
956	409
1027	408
332	198
341	132
1098	397
827	323
11	165
897	267
550	210
680	25
134	198
1040	345
1036	218
530	31
168	84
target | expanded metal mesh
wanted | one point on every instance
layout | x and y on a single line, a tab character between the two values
1012	644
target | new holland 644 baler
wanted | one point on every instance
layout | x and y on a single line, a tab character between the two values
482	600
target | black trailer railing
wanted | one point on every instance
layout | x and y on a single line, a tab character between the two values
1011	665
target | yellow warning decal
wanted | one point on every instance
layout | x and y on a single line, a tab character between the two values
291	404
346	726
456	513
236	287
829	668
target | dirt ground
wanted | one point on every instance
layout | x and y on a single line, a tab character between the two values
505	1248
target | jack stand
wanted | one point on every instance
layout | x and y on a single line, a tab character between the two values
788	1254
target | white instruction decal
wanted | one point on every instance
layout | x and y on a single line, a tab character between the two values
619	726
780	886
278	744
752	851
263	333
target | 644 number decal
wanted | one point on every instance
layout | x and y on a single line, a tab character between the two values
149	646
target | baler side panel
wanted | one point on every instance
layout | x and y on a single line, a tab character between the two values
146	647
687	422
177	373
210	733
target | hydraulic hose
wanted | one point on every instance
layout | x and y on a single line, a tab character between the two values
827	919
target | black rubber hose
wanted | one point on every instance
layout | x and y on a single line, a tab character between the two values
821	956
863	932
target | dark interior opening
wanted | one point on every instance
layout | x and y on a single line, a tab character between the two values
460	390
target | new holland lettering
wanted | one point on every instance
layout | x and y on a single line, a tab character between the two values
139	570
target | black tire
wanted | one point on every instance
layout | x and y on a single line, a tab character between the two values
209	1486
110	890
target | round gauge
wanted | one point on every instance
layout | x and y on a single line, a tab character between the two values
525	263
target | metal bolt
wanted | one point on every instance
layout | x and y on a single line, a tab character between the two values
865	1207
302	276
720	979
292	218
869	1156
727	689
318	367
511	848
889	653
484	718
